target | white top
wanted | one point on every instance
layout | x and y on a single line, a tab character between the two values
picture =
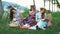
38	16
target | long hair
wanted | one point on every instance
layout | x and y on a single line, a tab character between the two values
11	14
43	14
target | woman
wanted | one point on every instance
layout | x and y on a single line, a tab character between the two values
32	12
31	17
42	22
15	16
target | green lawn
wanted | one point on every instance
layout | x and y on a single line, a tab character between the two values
54	29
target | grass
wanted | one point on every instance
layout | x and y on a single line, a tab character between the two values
54	29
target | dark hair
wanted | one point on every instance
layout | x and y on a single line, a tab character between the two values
42	15
32	6
11	13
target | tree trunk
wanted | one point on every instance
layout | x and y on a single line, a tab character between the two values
1	9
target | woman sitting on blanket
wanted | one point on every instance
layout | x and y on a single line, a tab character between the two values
30	19
31	16
15	17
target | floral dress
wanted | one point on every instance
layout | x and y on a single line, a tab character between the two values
30	18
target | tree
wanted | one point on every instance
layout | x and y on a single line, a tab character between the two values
1	9
58	4
55	2
0	6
